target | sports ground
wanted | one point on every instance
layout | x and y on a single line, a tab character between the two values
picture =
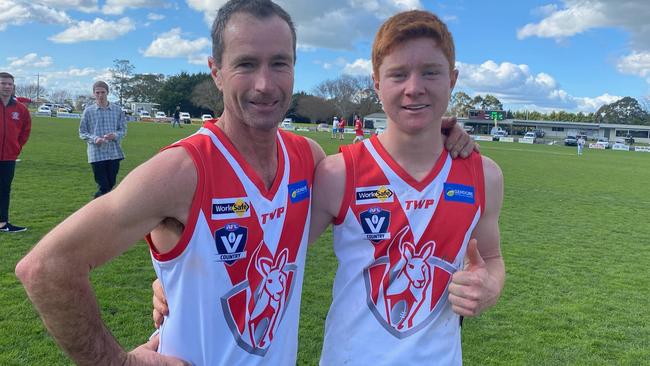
575	236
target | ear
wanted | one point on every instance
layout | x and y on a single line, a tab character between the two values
409	251
281	260
215	72
375	82
264	265
426	251
454	78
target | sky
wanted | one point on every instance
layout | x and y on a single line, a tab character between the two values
572	55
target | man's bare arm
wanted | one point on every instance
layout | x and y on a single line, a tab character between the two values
56	271
479	285
329	188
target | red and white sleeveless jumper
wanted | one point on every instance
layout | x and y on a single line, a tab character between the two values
398	241
234	279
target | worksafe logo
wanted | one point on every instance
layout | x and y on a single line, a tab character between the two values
374	223
459	193
230	208
375	194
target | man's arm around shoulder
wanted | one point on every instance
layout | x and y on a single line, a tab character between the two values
55	272
329	189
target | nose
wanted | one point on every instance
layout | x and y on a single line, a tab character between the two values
413	85
263	79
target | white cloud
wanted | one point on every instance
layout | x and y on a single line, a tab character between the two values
29	60
119	6
79	5
321	23
170	44
198	59
360	66
155	16
578	16
636	63
97	30
18	13
516	86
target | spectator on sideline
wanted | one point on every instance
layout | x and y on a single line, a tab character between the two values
342	123
103	126
177	117
14	132
335	126
581	144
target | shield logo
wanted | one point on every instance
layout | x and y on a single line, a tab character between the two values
255	307
407	287
230	242
374	223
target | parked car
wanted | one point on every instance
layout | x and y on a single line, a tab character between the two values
629	139
185	117
604	142
530	136
498	135
45	110
324	127
571	141
161	114
287	125
206	117
144	114
539	133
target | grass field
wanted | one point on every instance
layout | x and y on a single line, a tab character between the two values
575	235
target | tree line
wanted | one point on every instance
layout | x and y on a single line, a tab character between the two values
344	97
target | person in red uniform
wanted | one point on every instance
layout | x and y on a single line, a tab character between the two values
342	123
14	132
358	130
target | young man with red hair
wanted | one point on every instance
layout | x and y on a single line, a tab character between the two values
415	231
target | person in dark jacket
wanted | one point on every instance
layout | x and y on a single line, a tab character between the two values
15	125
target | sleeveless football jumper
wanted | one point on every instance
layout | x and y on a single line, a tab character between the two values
398	241
233	281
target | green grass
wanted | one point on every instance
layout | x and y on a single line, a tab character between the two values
575	235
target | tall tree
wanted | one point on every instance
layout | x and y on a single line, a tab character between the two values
120	82
625	111
343	92
317	109
177	91
144	87
60	96
460	104
492	103
30	91
206	95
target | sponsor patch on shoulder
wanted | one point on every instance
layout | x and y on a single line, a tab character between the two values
459	193
230	242
298	191
374	194
230	208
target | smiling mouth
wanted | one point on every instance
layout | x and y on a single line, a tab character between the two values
415	107
265	104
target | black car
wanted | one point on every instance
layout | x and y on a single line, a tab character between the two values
571	141
539	133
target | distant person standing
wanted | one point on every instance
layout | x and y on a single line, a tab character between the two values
335	126
14	132
177	117
581	145
103	126
358	130
341	128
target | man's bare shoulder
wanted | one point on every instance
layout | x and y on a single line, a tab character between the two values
316	150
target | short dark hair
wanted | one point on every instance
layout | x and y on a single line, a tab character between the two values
260	9
100	84
6	75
